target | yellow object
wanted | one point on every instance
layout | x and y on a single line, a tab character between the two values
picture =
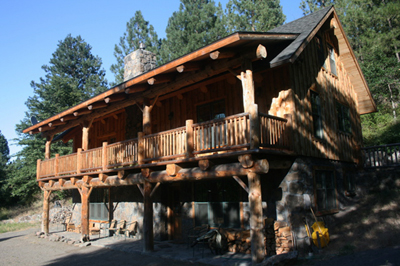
322	232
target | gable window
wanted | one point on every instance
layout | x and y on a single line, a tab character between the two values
343	114
325	190
332	60
211	111
317	115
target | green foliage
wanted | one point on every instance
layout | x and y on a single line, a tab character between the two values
4	158
73	75
196	24
138	31
9	227
252	15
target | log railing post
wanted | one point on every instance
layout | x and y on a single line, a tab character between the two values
38	166
46	211
189	138
140	148
104	156
78	161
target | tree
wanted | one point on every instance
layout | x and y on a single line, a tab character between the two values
138	31
73	75
310	6
4	158
196	24
253	15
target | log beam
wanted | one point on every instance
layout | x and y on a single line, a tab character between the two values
136	88
97	105
173	169
47	153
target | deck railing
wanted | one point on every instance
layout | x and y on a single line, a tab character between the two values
229	133
381	156
165	145
122	153
226	133
273	132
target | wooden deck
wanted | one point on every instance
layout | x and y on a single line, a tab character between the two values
225	135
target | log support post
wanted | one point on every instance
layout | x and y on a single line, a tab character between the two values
141	152
85	134
85	194
256	218
148	235
46	211
249	104
189	138
47	153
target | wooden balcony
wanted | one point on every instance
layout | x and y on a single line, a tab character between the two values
224	135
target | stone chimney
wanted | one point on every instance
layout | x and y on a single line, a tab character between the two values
138	62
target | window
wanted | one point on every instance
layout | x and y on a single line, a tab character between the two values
210	111
316	114
343	114
98	205
332	60
325	190
217	203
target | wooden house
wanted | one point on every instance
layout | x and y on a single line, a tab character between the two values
253	126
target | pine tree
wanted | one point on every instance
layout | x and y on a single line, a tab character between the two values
138	31
196	24
73	75
4	157
253	15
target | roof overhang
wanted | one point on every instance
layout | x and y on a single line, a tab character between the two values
130	91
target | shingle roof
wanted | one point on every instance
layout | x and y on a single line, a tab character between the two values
304	27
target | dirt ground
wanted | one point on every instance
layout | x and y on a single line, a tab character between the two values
24	248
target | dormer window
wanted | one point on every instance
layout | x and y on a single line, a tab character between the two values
332	60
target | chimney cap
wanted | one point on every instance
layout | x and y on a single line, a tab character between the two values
142	46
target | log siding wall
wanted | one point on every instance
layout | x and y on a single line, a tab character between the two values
306	74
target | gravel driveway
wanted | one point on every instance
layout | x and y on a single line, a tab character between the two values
24	248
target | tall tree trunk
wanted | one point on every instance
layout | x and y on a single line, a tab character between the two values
392	101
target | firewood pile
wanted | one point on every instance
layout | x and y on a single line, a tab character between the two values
238	240
278	238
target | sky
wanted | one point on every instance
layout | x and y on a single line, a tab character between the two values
31	30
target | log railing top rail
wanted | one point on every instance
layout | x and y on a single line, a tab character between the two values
229	133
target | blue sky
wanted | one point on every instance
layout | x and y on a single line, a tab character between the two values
30	31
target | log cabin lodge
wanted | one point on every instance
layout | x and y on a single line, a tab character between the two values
257	126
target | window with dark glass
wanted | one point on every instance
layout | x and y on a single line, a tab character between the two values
217	204
325	190
343	114
210	111
317	115
332	60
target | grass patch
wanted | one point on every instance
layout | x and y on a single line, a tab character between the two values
8	227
